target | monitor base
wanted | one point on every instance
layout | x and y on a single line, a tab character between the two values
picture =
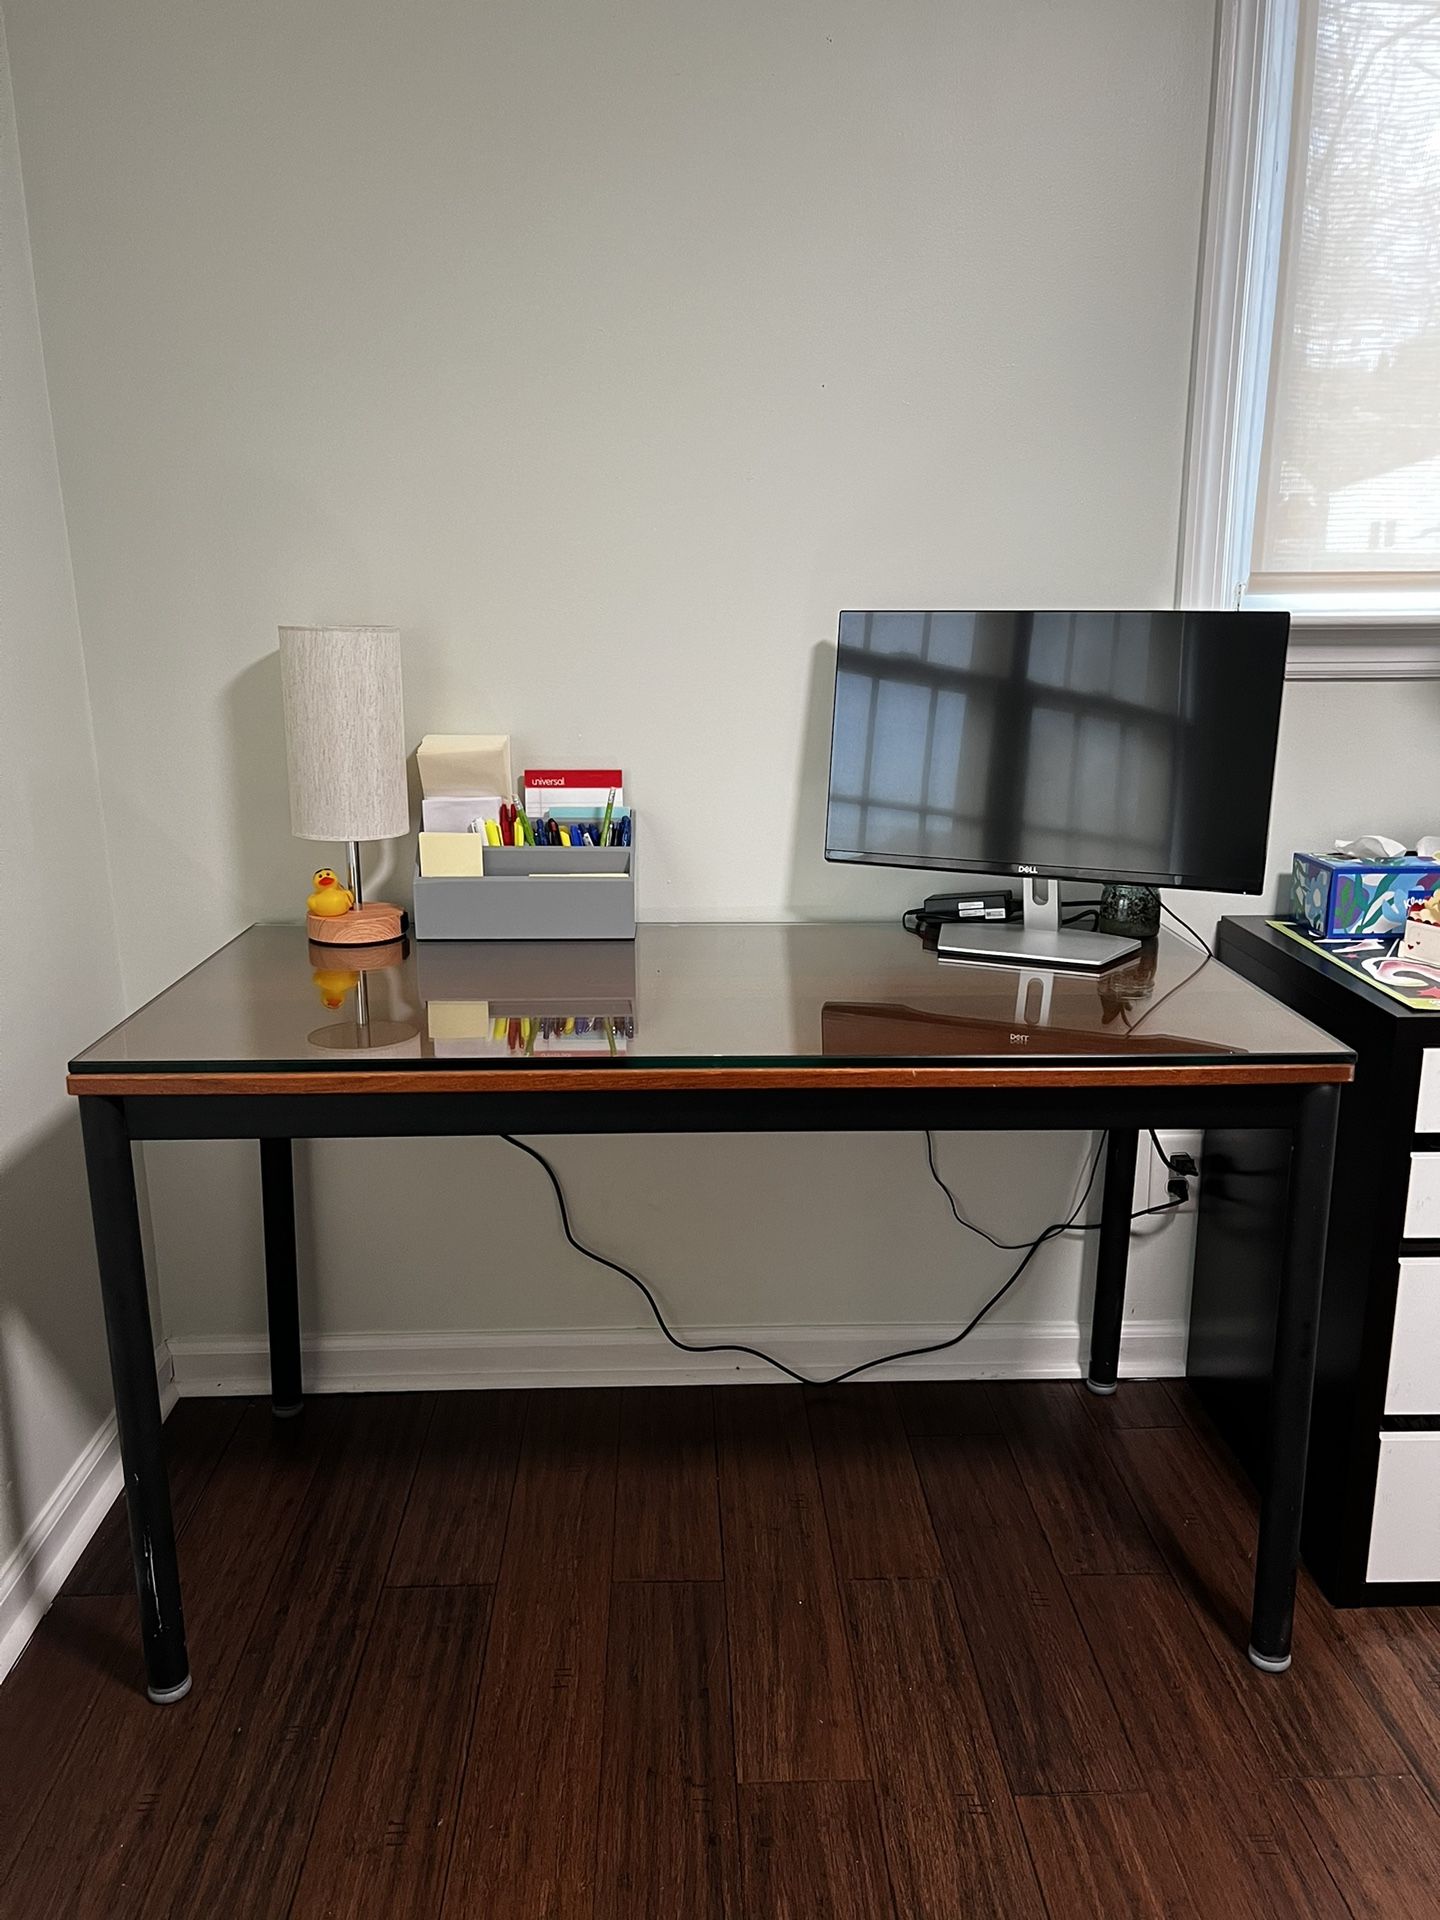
1029	946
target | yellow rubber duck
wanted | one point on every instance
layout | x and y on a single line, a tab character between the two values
330	899
334	984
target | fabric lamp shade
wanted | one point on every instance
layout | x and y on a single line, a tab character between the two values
344	732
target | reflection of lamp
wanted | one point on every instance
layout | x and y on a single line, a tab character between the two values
338	970
345	750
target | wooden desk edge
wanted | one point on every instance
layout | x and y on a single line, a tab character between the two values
709	1079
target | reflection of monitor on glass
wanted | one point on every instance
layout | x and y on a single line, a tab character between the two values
1087	746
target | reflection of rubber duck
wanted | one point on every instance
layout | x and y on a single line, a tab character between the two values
330	899
334	983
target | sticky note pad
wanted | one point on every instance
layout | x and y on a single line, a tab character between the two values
452	855
458	1019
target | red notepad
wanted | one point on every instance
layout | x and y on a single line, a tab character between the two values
572	787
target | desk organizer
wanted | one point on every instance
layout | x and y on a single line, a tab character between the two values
537	997
533	893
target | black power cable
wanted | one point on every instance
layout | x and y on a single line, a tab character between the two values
1134	1026
1071	1226
1032	1247
1198	938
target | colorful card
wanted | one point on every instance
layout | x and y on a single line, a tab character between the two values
1379	963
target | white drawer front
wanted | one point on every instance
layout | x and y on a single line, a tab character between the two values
1414	1385
1405	1534
1427	1117
1422	1209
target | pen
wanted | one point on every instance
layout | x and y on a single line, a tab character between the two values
492	833
507	824
625	831
605	823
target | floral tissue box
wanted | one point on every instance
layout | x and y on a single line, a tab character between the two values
1340	897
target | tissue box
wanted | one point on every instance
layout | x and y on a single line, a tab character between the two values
1339	897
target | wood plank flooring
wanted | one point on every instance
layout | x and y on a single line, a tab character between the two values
878	1653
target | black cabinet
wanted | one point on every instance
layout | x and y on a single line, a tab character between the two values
1372	1510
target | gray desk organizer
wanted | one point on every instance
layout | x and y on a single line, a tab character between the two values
533	893
574	977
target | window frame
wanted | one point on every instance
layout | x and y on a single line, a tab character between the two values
1341	635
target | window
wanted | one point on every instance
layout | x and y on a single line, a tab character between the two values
1313	478
941	726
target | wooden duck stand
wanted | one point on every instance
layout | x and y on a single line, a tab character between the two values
337	916
362	926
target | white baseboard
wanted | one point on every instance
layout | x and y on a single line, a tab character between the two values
61	1531
584	1357
625	1357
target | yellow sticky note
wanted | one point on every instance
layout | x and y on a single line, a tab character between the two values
458	1019
452	855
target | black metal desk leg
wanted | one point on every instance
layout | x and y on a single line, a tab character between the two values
1116	1206
282	1282
116	1216
1292	1384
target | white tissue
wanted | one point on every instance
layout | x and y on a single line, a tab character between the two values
1429	847
1371	846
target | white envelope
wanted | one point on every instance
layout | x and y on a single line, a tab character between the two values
454	812
462	763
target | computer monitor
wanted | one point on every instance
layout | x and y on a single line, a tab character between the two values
1057	746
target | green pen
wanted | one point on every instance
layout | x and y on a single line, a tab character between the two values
527	832
605	823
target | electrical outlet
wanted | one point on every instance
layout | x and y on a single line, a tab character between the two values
1159	1174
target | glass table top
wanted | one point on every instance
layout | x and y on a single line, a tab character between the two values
694	995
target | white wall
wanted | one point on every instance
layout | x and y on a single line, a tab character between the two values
59	976
1356	756
608	351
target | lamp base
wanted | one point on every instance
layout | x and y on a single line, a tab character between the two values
355	1036
366	926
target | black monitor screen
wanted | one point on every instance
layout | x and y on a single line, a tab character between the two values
1095	745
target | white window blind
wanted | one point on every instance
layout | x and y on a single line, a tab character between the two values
1349	494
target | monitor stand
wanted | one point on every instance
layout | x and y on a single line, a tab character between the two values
1038	941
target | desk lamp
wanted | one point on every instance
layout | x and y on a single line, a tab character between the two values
345	751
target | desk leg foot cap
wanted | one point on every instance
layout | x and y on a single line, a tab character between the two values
167	1696
287	1413
1101	1386
1269	1662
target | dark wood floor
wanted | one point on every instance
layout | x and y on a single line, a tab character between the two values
925	1652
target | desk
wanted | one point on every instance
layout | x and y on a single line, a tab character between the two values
810	1027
